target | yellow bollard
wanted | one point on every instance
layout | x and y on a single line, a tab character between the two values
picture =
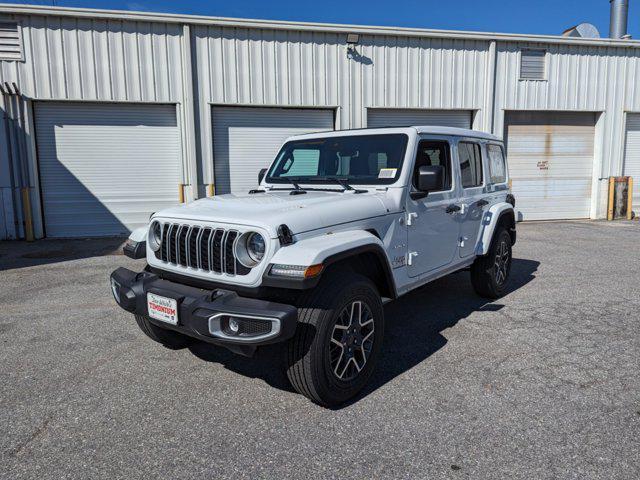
629	198
181	192
612	189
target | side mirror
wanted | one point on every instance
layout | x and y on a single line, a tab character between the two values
261	175
430	179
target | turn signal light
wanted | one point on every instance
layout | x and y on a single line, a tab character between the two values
296	271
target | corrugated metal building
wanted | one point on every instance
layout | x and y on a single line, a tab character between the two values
109	116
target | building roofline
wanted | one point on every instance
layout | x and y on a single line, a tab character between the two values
17	9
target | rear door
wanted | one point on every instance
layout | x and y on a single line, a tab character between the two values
472	188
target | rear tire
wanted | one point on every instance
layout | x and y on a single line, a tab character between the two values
338	339
167	338
490	273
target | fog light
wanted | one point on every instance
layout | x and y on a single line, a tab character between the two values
234	326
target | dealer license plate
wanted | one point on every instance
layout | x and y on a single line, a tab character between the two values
162	308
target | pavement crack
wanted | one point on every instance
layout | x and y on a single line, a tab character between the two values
35	435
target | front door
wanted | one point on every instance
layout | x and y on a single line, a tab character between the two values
432	223
472	202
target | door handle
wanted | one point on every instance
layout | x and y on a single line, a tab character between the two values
482	203
453	208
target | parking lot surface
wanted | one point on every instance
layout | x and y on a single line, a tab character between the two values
543	383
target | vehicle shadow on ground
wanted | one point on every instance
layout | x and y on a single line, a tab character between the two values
21	254
414	326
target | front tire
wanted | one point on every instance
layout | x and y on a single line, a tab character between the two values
490	273
167	338
338	340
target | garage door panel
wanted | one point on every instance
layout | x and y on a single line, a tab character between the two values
104	168
551	163
557	187
383	117
247	139
632	156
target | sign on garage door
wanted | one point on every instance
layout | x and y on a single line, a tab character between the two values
551	163
386	117
105	168
247	139
632	157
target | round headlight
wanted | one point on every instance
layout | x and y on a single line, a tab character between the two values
256	247
155	236
250	249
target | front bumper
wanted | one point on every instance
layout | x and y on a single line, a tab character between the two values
205	314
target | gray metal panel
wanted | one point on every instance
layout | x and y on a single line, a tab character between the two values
270	67
246	139
632	156
550	156
91	59
532	64
105	168
378	117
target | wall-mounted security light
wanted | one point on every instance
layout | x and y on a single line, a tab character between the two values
352	41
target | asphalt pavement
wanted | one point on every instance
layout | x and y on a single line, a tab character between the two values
543	383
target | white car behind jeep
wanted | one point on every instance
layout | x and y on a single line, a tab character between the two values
340	223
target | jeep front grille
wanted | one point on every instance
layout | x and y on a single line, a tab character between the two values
204	248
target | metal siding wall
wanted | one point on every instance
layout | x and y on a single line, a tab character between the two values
263	67
579	78
274	67
111	60
107	60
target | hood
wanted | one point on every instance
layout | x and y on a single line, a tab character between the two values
301	213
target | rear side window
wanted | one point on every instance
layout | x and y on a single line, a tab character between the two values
497	166
470	164
433	153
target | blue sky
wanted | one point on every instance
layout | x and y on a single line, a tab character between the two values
521	16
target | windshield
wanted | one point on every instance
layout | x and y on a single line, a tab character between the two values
358	159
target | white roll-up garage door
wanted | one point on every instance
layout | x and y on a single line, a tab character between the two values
383	117
550	158
105	168
632	157
247	139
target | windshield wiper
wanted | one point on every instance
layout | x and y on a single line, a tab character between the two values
297	190
343	183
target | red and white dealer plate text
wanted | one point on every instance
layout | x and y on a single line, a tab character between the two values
162	308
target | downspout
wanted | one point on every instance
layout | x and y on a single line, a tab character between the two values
6	106
16	147
24	168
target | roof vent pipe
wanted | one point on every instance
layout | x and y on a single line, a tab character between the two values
619	15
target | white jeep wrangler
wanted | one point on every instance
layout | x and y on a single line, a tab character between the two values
340	223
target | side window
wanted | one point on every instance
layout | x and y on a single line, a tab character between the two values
432	152
497	167
470	164
302	162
